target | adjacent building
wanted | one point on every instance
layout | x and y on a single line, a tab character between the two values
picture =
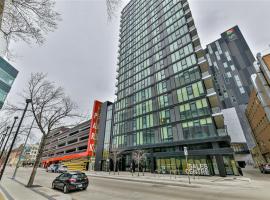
84	145
166	98
231	65
258	110
7	77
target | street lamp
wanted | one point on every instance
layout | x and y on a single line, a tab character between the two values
15	119
14	138
3	137
20	157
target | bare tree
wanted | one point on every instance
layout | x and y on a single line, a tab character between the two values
112	7
27	20
115	155
138	156
50	107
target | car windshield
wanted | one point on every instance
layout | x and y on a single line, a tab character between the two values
78	176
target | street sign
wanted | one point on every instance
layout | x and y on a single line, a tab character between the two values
185	151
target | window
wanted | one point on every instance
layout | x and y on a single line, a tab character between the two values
163	101
3	95
161	87
166	134
6	77
218	47
187	77
228	56
160	75
210	49
184	63
217	55
190	92
194	109
164	117
198	129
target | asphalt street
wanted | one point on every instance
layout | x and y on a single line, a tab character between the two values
108	189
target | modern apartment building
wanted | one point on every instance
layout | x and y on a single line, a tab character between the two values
165	94
258	110
7	77
78	147
231	65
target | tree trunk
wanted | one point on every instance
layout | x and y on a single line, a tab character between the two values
2	3
37	162
138	167
114	167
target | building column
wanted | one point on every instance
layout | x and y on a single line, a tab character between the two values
221	166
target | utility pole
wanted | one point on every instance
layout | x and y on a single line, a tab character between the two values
14	138
186	155
2	152
21	154
3	138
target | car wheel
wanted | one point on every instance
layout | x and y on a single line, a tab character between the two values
65	189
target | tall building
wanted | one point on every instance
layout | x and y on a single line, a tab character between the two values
231	65
258	110
165	94
7	77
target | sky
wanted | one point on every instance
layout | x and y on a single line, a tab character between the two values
81	55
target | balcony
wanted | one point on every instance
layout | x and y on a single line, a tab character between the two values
185	4
222	132
116	83
195	37
117	76
199	50
202	62
208	81
218	117
192	28
213	98
187	11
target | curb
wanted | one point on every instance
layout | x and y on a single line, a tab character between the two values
192	185
217	182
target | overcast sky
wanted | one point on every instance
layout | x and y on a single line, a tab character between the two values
81	55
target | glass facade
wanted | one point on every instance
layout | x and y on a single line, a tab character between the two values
7	77
162	97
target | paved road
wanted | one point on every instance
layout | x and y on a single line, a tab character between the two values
107	189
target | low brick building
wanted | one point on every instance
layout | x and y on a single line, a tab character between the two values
258	110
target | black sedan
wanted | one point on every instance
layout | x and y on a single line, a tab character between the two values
71	181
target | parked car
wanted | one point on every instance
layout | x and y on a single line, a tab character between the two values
62	169
69	181
265	168
52	168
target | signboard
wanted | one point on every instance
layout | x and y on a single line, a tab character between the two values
231	34
185	151
198	169
93	128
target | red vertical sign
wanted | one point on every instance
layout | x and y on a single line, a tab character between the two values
93	128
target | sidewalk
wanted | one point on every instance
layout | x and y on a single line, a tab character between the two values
178	180
16	190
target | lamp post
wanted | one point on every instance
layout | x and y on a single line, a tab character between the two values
15	119
20	157
3	138
14	138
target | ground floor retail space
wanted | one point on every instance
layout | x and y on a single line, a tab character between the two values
177	163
